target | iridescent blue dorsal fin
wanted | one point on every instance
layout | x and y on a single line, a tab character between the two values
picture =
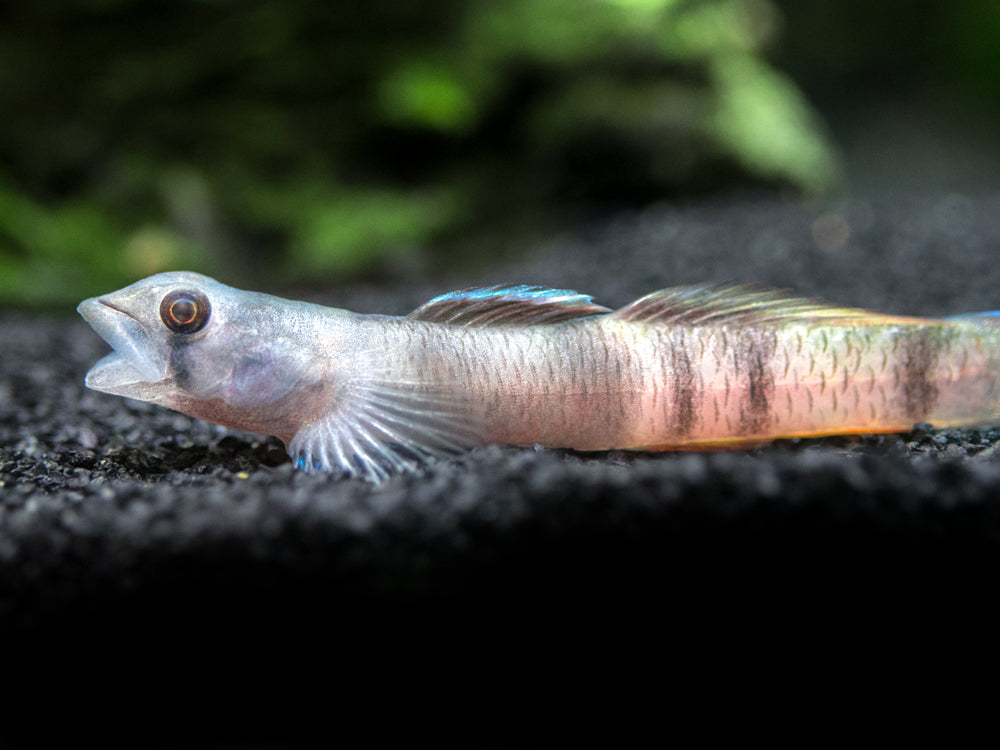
507	305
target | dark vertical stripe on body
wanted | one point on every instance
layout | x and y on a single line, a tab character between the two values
754	351
920	350
685	387
613	398
180	354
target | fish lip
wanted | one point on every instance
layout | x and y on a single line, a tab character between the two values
137	356
104	301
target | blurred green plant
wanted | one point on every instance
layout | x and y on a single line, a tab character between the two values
894	49
302	139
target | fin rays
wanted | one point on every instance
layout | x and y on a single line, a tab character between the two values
741	304
384	428
731	304
513	305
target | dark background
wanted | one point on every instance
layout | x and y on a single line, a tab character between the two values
164	581
281	144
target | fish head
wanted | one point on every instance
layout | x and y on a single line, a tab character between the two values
190	343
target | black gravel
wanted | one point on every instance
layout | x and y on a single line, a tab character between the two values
150	549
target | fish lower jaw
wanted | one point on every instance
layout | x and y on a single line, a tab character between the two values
116	375
112	371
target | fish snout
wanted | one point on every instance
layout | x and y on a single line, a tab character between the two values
127	335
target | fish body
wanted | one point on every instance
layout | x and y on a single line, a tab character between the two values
690	367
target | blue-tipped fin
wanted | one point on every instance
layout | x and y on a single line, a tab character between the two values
386	427
507	305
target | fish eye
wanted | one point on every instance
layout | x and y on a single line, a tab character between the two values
185	311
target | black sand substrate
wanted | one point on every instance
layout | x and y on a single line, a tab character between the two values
148	548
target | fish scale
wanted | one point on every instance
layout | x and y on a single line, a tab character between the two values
683	368
601	383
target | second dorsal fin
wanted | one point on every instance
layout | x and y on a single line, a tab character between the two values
507	305
741	304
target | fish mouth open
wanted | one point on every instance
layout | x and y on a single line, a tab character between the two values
135	358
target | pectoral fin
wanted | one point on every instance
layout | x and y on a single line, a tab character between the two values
380	429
